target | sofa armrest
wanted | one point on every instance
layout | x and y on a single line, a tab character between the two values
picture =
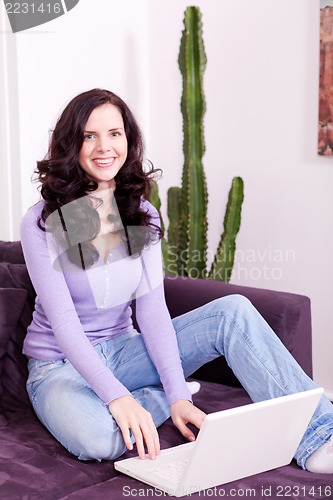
288	314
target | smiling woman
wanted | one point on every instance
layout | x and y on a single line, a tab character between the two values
96	146
104	149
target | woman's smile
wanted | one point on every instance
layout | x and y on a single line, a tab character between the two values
104	162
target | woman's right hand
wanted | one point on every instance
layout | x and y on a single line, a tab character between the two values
131	416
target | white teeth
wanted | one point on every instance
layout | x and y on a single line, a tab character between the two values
104	162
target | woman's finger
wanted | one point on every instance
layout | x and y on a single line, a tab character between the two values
151	439
136	431
127	436
156	441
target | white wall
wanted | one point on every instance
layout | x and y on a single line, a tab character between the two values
10	201
261	88
86	48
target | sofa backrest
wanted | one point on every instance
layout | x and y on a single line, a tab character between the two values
17	298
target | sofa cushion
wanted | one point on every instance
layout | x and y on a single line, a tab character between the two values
18	298
11	304
11	251
16	276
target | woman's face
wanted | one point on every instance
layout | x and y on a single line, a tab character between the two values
104	148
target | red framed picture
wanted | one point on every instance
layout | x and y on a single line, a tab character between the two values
325	128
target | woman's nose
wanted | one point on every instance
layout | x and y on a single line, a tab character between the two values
103	145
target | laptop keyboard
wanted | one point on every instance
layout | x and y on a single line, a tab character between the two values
172	471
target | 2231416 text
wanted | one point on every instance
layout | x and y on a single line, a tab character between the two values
33	8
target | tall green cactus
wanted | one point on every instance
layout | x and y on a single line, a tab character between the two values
185	252
193	195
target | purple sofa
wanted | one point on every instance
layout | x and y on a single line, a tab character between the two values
34	466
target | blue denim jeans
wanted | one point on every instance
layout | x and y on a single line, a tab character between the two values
229	326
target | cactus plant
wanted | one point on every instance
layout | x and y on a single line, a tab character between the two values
222	265
192	242
185	252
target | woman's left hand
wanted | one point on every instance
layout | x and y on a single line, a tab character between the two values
184	412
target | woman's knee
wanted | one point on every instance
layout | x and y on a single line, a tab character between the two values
80	422
99	446
234	302
234	311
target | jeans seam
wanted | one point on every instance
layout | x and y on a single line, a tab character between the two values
246	340
118	365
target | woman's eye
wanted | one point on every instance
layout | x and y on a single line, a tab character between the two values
115	134
88	136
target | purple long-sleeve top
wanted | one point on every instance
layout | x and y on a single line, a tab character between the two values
76	308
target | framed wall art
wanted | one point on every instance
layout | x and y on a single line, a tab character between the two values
325	128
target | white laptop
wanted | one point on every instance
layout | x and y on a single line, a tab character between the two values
231	444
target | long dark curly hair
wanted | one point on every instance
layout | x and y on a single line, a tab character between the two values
63	180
